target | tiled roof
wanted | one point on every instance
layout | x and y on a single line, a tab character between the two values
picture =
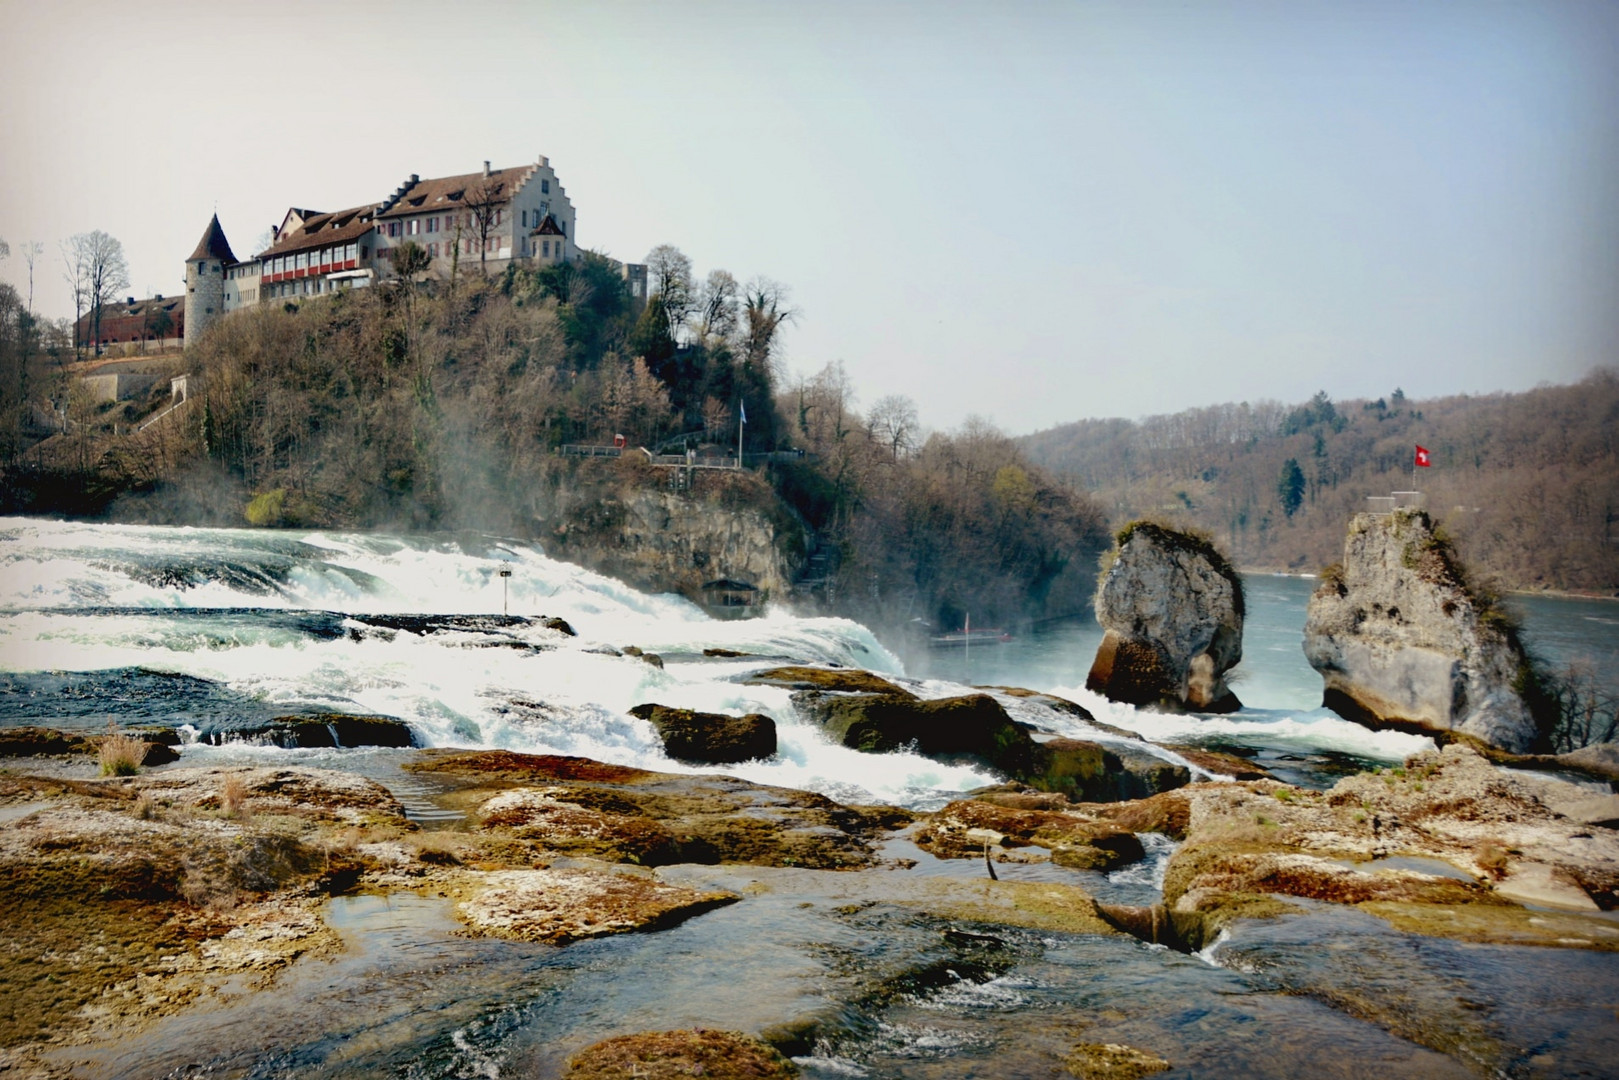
450	192
548	227
319	230
213	244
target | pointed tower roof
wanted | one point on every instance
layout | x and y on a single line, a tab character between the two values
213	244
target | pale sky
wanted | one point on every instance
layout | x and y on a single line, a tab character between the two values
1035	212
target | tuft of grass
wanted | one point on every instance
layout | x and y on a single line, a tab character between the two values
121	755
144	807
233	796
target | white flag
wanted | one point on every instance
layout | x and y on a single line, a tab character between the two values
743	407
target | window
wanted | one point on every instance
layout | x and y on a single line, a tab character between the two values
393	228
348	252
525	219
545	187
432	224
545	248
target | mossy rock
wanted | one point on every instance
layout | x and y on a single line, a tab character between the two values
667	1055
320	730
1112	1061
49	742
848	680
1089	772
701	738
973	726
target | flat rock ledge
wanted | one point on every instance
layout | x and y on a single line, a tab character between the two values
559	906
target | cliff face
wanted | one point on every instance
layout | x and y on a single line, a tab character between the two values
1172	608
1398	637
660	541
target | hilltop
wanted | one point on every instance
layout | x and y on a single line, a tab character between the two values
1528	483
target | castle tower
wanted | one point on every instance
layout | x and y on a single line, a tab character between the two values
205	280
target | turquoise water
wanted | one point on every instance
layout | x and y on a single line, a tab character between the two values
1273	674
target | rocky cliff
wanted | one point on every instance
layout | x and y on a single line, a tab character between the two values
1172	607
1400	637
731	530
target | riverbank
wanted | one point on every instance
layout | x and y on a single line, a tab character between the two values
148	915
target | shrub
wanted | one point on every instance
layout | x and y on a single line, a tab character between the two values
121	755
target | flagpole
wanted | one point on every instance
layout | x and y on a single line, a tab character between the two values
742	422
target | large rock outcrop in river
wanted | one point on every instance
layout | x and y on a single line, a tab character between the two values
1172	607
1400	638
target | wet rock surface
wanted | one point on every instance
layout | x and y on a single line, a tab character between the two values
702	738
1172	609
1448	843
319	730
970	828
28	742
573	806
665	1055
560	906
1400	637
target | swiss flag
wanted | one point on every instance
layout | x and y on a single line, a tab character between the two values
1422	457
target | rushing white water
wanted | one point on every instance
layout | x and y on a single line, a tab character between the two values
279	619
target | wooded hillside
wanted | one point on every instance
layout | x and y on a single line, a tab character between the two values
1528	483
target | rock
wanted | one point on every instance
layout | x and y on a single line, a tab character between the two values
1465	843
1400	638
666	1055
560	906
728	528
850	680
1599	759
1541	885
1112	1061
561	626
538	805
1172	609
974	726
962	829
49	742
701	738
1090	772
320	730
648	657
1221	763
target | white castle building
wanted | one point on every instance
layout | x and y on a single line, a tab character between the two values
485	219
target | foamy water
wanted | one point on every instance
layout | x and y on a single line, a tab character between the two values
278	619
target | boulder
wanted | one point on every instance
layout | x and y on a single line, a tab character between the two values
1089	772
1401	639
700	738
1172	609
320	730
560	906
971	726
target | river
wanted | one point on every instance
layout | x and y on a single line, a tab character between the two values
207	630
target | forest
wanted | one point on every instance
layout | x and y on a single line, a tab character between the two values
1528	483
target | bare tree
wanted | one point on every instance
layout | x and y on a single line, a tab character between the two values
76	274
893	423
716	308
31	251
98	274
485	202
670	271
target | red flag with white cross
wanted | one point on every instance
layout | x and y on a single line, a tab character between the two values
1422	457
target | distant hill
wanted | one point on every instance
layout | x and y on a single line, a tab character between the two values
1528	483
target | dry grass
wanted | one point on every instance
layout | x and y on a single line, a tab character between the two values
121	755
233	796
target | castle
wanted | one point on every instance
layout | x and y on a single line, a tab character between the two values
491	218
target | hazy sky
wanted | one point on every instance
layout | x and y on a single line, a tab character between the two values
1035	212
